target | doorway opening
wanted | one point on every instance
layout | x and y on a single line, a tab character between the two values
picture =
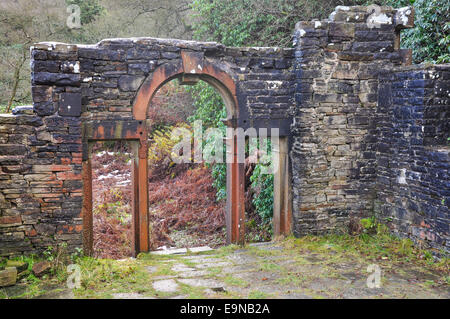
231	168
111	199
184	209
187	201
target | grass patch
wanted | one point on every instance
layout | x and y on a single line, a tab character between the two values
233	281
292	278
268	266
192	292
101	277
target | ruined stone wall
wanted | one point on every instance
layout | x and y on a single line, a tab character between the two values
108	75
40	188
413	157
334	138
41	201
360	143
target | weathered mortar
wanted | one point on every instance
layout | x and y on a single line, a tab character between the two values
353	146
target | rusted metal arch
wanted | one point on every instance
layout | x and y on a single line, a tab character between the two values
193	67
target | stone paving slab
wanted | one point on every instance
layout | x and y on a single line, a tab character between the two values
168	285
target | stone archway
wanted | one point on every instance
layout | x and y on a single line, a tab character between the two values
191	68
101	92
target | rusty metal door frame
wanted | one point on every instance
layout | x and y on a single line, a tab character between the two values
134	132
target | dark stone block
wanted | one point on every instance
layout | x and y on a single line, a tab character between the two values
45	108
129	83
70	104
12	149
144	54
58	79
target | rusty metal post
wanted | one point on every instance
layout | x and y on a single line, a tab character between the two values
282	197
88	236
235	194
142	171
135	197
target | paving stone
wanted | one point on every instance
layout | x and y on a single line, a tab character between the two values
171	251
200	249
213	264
151	269
182	268
168	285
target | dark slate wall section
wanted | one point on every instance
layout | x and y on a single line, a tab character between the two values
413	166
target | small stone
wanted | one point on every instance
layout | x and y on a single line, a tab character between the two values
41	268
8	277
20	265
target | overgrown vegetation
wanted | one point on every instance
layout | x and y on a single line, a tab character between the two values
112	200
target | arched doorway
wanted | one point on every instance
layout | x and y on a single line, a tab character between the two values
192	68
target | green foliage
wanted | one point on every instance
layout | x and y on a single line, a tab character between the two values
430	39
263	199
255	22
209	106
219	174
210	109
369	224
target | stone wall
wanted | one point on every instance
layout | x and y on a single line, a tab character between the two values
334	138
413	159
40	187
107	76
76	84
